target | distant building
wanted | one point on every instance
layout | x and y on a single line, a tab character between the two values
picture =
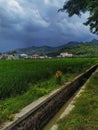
58	56
3	56
49	57
16	56
7	57
65	54
11	57
24	56
43	57
35	56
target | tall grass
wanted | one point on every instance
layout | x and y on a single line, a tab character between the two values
15	76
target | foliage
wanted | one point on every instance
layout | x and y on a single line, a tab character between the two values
81	49
12	52
81	6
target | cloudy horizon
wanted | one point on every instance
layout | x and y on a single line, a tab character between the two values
25	23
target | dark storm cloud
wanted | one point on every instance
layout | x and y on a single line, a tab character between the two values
36	22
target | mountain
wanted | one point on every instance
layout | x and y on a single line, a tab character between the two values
38	50
78	49
42	49
94	40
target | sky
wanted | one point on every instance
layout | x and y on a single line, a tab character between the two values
25	23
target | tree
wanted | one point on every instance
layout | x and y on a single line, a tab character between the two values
12	52
81	6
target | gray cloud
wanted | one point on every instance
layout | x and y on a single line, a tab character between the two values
36	22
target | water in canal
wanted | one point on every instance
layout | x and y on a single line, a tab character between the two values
52	125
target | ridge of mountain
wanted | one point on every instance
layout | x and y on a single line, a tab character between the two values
71	47
38	50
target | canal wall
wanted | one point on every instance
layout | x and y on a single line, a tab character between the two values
39	116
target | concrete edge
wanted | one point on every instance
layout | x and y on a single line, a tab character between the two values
71	105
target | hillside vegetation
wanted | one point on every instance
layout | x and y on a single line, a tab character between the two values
89	49
79	49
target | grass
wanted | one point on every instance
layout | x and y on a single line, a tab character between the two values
85	114
24	81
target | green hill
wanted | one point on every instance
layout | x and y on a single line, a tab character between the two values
79	49
87	49
38	50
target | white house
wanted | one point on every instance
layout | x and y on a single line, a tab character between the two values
7	57
11	57
35	56
65	54
16	56
3	56
44	57
24	56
